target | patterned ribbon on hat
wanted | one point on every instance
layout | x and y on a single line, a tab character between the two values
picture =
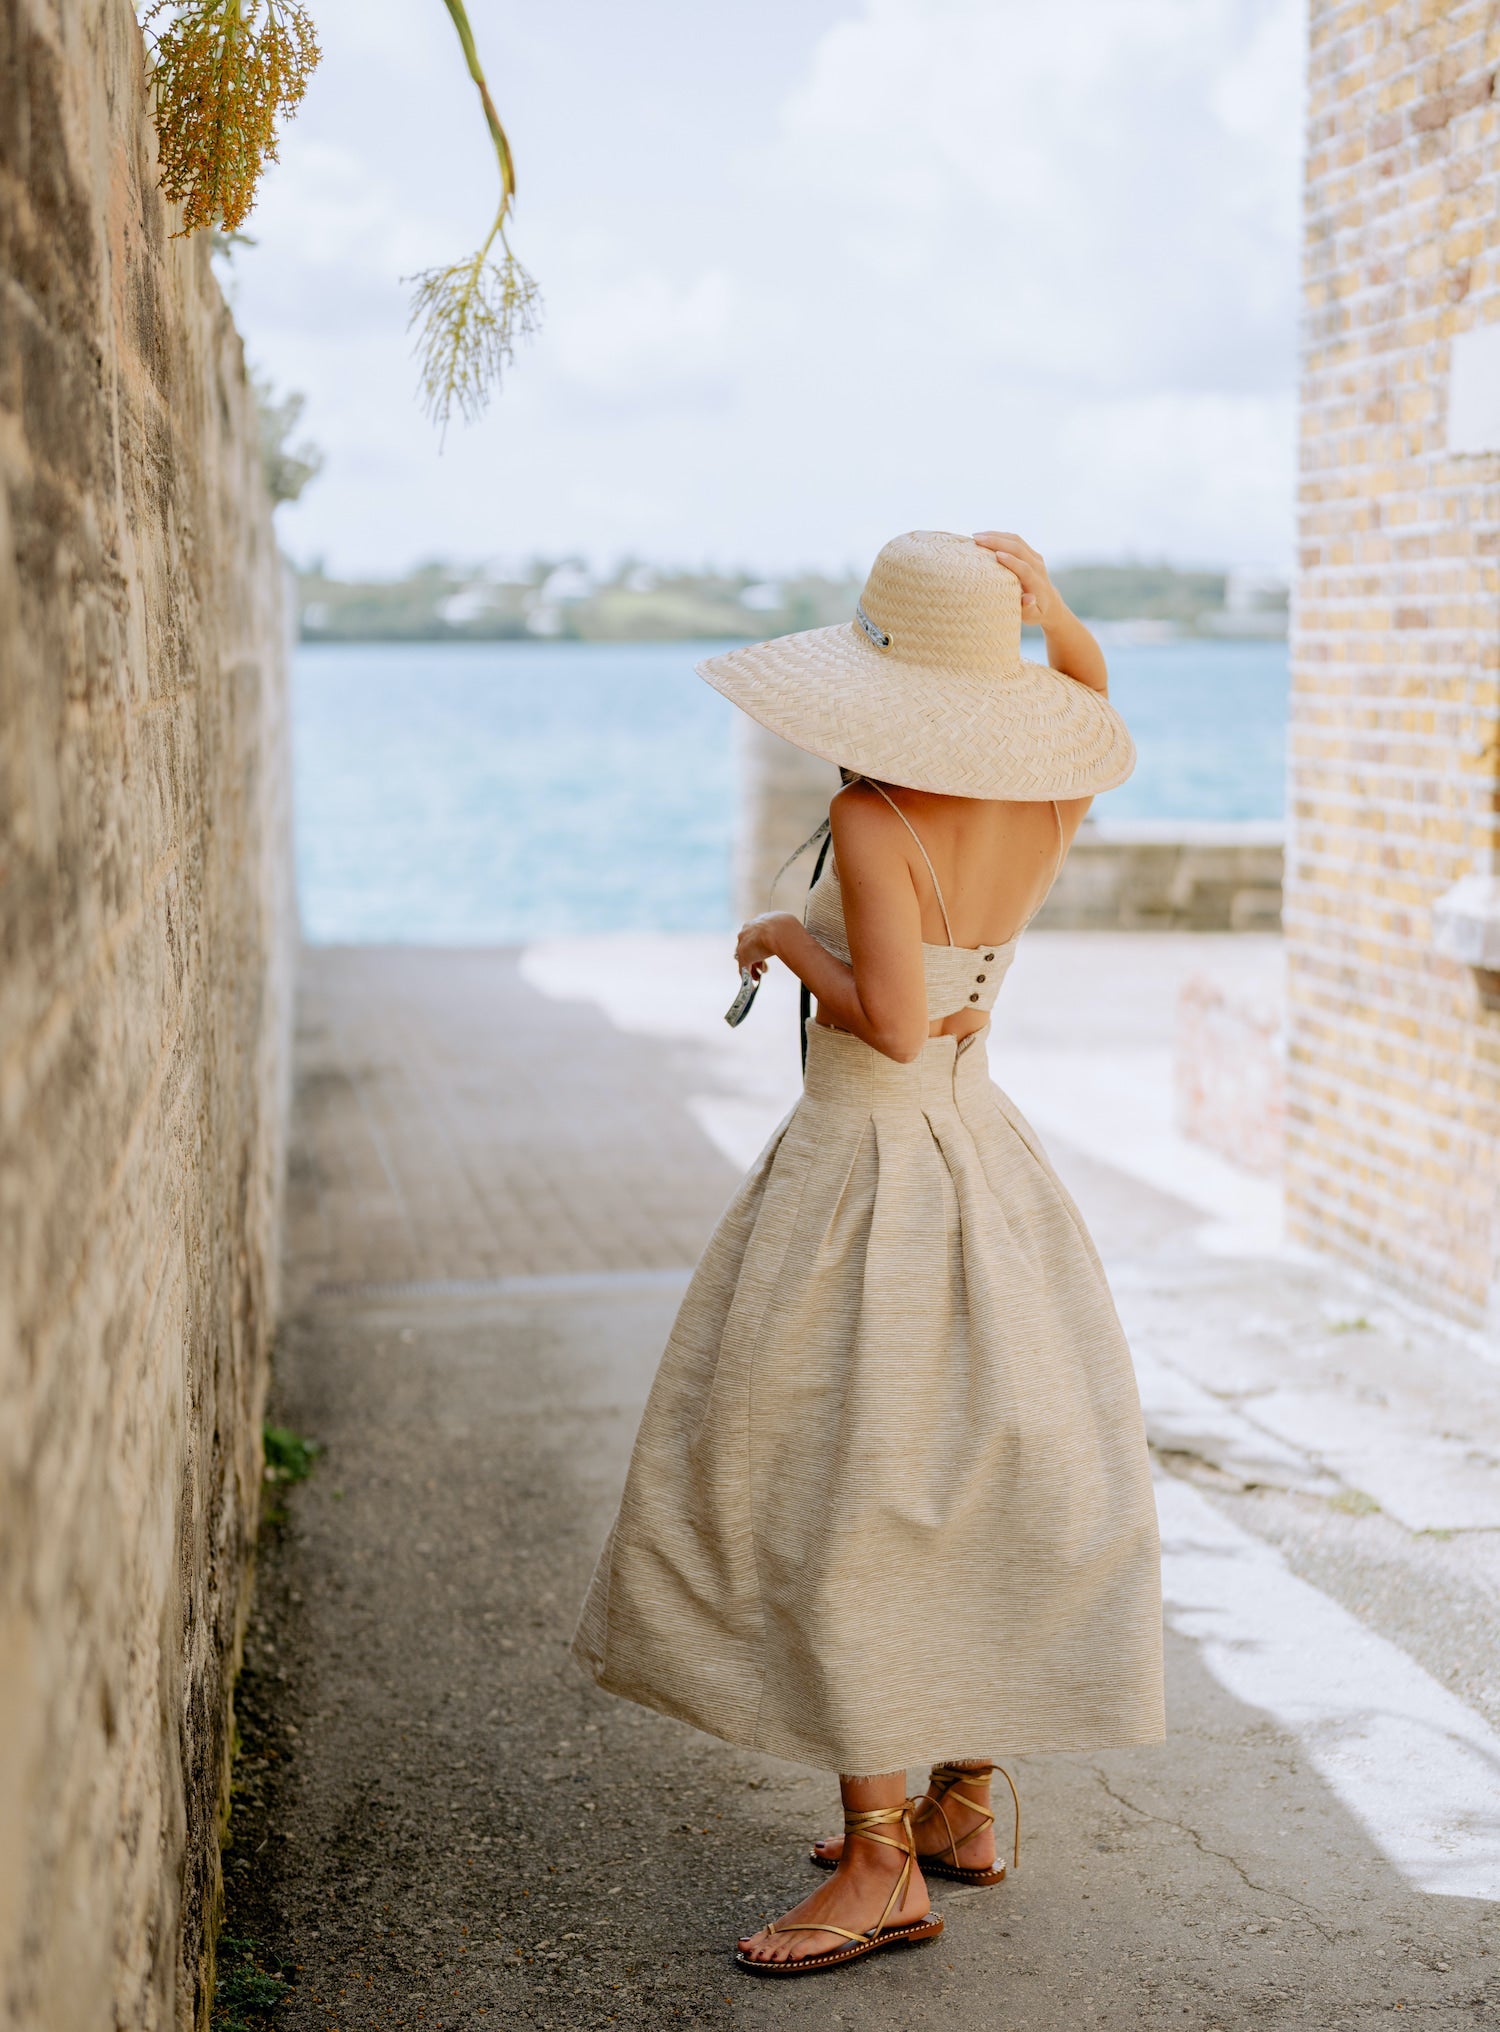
877	635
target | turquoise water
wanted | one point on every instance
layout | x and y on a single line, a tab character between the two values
479	793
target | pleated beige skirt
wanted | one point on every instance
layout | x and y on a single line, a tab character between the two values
890	1499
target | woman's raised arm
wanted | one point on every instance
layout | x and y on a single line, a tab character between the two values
1070	647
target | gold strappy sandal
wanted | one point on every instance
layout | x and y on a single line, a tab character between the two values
881	1934
949	1777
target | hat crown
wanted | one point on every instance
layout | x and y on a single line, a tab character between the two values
945	600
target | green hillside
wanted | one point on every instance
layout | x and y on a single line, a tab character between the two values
560	599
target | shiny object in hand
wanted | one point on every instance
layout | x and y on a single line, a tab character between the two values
739	1008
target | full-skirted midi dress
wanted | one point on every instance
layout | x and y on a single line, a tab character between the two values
890	1499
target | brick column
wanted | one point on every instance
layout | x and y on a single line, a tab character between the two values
1393	1152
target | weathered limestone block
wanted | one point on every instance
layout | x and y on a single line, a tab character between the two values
145	950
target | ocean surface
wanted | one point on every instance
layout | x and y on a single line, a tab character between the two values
481	793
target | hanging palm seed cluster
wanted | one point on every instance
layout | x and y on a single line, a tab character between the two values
225	73
469	316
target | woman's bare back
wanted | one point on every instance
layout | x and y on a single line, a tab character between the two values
995	862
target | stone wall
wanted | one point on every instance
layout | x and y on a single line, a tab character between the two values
1169	875
783	794
1393	1070
1122	874
145	927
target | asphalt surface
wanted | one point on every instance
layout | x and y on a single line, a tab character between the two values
439	1822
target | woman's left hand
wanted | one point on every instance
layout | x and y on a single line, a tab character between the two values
758	940
1040	601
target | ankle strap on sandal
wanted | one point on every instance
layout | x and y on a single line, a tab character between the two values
864	1825
947	1779
878	1816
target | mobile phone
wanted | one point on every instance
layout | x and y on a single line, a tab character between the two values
739	1008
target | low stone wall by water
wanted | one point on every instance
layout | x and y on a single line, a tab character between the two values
783	795
1169	875
1122	874
145	977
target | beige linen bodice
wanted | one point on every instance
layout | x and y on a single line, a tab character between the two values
958	977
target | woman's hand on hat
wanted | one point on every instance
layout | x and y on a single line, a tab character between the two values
1039	597
1071	649
760	939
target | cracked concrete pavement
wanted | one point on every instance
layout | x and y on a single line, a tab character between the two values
498	1185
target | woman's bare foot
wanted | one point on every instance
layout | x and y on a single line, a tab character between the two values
855	1896
974	1835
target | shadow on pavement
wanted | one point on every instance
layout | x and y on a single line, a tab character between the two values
445	1825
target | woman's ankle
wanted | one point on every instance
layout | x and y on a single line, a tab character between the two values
873	1795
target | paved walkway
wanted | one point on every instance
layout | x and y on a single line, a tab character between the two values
504	1165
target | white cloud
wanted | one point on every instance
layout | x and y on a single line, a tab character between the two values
644	334
1092	189
826	269
1198	471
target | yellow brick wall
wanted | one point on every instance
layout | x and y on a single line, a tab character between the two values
1393	1155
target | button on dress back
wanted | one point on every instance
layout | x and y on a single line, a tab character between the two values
896	1399
958	977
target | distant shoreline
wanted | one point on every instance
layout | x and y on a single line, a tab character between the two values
562	601
1133	630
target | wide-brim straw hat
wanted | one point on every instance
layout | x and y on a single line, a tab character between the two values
927	686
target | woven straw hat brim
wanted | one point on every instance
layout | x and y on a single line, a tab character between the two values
1029	734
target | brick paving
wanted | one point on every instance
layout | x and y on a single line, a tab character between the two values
455	1125
440	1824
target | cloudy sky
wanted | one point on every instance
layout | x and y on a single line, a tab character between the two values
814	271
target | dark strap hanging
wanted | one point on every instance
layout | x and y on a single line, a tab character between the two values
804	998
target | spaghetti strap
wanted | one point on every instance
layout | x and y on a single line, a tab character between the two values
1057	868
936	885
